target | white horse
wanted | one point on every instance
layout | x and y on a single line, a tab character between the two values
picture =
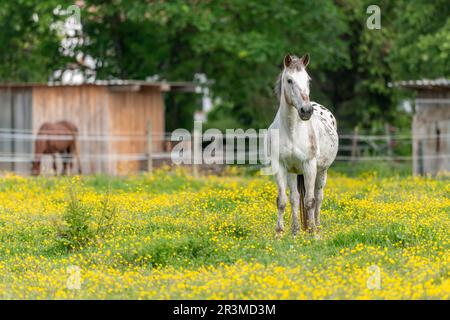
307	145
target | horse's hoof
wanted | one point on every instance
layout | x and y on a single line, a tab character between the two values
314	233
279	229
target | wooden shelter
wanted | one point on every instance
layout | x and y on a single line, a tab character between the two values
431	125
112	118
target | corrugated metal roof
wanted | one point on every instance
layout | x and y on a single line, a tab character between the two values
163	85
422	84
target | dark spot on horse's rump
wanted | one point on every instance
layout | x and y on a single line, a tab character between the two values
321	113
332	122
323	108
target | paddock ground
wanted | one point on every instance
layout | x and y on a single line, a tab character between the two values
169	235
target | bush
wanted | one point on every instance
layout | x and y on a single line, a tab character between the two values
80	228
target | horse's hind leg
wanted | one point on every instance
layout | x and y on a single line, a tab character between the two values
281	179
294	197
321	180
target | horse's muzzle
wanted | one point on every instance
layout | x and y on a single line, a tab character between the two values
305	113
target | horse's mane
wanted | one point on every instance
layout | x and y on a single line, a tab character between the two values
277	87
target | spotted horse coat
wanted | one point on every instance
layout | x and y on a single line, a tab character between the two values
327	119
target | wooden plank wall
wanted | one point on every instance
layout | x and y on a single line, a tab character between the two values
22	117
15	114
443	162
130	112
95	110
87	107
6	146
432	120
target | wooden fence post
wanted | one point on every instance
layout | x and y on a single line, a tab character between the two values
388	140
355	144
149	147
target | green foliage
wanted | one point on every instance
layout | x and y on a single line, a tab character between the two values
30	47
81	226
76	231
239	45
421	47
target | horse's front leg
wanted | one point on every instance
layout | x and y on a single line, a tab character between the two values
310	172
294	197
281	179
321	180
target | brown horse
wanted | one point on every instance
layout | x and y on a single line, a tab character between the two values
52	138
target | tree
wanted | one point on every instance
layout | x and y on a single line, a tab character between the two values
30	48
422	44
358	91
238	44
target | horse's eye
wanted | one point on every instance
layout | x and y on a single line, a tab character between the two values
289	81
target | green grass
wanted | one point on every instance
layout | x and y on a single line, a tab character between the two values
143	236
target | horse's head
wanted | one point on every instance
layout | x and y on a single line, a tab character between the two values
295	85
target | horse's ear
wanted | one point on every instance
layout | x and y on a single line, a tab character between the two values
287	61
305	60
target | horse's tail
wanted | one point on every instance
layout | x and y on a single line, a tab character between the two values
303	213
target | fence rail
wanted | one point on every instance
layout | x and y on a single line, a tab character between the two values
353	147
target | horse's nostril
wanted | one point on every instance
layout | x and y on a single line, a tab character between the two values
302	109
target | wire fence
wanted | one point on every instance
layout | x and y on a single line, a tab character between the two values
17	147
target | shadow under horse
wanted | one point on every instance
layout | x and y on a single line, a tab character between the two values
53	138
